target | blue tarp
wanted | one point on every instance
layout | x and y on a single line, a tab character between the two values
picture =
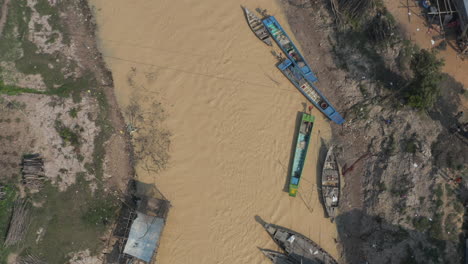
144	235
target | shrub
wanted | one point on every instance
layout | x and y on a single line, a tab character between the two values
423	90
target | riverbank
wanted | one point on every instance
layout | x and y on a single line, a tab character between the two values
57	101
230	116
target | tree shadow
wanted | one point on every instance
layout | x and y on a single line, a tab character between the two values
446	107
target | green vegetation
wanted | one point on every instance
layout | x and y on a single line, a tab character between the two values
66	218
13	90
6	206
421	223
73	112
67	134
423	90
411	145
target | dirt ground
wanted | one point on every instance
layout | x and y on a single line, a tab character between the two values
73	134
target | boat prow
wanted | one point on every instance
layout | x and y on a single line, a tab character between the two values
256	25
331	184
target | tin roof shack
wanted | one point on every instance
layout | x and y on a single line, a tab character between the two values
136	235
144	235
462	9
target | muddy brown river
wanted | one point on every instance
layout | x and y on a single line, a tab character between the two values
232	117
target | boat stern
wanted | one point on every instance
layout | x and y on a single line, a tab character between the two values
292	190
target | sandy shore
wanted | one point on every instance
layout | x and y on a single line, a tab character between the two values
232	117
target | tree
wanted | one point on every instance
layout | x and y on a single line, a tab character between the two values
423	90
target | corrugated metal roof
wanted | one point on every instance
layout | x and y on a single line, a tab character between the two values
144	236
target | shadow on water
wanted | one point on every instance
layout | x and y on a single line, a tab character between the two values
322	153
292	152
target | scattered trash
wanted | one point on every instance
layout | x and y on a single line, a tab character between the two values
432	42
415	165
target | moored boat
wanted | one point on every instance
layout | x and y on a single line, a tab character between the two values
257	26
331	184
302	144
307	88
298	247
288	47
278	257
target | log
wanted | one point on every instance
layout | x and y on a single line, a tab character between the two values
19	222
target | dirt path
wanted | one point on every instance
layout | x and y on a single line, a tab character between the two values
3	16
232	117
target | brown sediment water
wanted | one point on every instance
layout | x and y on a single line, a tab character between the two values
232	116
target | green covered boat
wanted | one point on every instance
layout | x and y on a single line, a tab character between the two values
302	144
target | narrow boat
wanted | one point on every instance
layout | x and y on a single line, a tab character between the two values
278	258
288	47
302	144
307	88
298	247
331	184
257	26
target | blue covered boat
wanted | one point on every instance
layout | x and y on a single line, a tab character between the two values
288	47
306	87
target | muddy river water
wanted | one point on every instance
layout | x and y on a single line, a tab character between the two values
232	117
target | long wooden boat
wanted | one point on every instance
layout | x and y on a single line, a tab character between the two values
298	247
307	88
331	184
302	144
288	47
278	257
257	26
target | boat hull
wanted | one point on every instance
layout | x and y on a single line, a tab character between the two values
302	145
330	186
287	46
308	89
257	26
299	247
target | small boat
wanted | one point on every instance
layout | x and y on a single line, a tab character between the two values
298	247
257	26
308	89
288	47
302	144
278	257
331	184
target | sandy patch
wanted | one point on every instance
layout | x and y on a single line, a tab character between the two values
62	161
11	76
84	257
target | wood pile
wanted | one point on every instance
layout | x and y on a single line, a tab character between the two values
19	222
32	168
2	192
30	259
